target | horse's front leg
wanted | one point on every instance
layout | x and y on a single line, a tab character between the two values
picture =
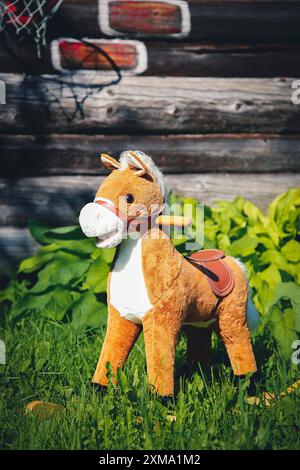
161	333
121	335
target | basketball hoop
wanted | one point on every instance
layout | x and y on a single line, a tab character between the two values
27	18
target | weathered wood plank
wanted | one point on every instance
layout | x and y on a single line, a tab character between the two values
63	154
226	2
15	244
189	59
200	60
222	21
58	199
151	104
261	189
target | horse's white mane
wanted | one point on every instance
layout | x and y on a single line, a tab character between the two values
126	157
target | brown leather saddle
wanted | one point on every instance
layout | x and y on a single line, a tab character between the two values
219	275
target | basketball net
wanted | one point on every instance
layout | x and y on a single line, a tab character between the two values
28	18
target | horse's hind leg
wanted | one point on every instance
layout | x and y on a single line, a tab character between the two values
233	329
198	347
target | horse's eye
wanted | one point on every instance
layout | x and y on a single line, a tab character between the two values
129	198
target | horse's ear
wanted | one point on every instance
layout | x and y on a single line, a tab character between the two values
136	163
109	162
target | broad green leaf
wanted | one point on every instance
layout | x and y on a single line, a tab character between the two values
271	276
284	211
53	304
255	280
29	303
275	258
96	278
265	295
282	327
290	291
210	229
107	254
243	247
291	251
179	241
266	231
267	242
209	244
59	303
252	212
223	242
28	265
86	246
88	312
39	231
64	230
238	231
72	239
14	291
70	271
61	270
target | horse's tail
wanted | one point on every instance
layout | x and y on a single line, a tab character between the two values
253	316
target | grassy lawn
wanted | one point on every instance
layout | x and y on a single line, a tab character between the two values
49	361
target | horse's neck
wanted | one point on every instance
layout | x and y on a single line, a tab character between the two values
160	261
151	261
150	247
156	239
148	239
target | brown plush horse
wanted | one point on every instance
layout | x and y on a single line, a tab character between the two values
153	288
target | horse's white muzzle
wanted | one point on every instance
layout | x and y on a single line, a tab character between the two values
98	221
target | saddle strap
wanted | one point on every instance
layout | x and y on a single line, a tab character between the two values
219	275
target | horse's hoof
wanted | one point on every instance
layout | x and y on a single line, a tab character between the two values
98	388
167	400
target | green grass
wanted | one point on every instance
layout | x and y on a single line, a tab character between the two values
49	361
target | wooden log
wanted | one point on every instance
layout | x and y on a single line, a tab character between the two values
63	154
15	244
150	104
222	21
211	60
261	189
189	59
227	2
58	199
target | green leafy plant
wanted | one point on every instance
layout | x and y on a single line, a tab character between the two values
66	279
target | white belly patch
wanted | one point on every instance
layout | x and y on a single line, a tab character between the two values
128	293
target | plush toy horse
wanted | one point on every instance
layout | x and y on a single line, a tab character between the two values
153	288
